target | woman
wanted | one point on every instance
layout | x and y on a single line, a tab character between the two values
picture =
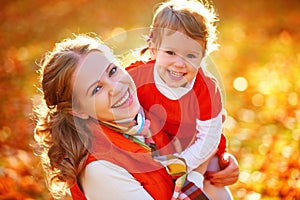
85	126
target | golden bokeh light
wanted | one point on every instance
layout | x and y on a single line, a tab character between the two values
258	100
240	84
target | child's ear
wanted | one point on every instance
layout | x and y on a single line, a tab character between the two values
79	114
153	50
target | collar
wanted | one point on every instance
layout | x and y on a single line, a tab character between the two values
136	126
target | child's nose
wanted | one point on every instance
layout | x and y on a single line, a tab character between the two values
179	62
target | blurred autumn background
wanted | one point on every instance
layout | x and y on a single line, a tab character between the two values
259	61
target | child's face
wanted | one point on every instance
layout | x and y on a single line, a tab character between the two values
104	91
178	59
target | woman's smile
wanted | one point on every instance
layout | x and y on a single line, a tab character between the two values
126	98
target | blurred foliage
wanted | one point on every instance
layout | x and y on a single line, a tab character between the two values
259	62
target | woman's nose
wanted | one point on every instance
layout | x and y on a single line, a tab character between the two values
114	87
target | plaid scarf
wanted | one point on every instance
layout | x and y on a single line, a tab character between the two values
175	166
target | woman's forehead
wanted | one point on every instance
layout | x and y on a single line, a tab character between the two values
90	69
94	63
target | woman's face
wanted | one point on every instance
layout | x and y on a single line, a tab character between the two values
104	91
178	59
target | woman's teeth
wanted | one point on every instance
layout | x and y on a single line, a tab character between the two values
122	101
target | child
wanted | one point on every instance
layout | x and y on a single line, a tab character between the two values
184	103
86	127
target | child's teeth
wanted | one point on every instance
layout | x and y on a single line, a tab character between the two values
176	73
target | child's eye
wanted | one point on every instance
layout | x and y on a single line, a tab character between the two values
171	53
96	89
190	56
112	71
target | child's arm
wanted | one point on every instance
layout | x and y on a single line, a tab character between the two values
206	143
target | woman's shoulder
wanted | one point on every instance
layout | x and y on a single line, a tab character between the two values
104	180
104	165
108	171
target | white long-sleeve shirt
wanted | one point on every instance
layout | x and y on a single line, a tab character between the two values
105	180
206	143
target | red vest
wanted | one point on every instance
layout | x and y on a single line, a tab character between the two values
113	147
170	118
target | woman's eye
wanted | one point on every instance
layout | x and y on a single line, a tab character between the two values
190	56
112	71
96	89
171	53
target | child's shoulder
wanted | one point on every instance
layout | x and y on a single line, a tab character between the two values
205	77
135	64
140	67
141	72
139	63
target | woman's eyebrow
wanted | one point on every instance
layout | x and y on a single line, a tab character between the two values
96	82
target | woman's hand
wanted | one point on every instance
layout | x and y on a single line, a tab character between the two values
227	176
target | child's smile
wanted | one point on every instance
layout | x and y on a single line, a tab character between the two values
176	75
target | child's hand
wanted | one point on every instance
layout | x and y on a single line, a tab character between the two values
227	176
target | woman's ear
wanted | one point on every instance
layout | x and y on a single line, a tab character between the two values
79	114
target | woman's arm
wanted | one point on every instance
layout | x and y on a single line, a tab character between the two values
105	180
227	176
206	143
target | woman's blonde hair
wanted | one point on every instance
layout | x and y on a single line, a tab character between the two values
194	18
62	139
